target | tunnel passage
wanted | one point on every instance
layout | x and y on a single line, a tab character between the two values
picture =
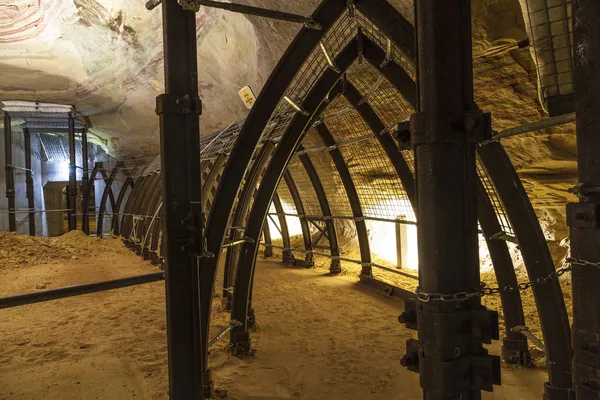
323	163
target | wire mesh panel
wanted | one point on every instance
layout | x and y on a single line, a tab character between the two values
378	185
305	187
494	198
329	175
380	94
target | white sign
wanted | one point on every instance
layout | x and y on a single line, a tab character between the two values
247	96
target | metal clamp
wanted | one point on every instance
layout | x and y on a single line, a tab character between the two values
171	104
583	215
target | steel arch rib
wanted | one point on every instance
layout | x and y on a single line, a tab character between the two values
241	211
315	181
538	262
313	104
85	219
128	183
287	256
98	168
351	192
268	242
211	179
289	65
299	205
105	193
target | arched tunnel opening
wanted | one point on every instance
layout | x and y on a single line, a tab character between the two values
375	224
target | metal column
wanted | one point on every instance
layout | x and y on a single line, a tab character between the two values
178	110
72	175
85	173
29	182
452	362
10	176
583	217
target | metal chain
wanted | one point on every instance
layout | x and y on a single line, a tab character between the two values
482	290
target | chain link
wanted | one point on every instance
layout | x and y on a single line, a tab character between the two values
482	290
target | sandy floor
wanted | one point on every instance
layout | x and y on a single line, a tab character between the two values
319	337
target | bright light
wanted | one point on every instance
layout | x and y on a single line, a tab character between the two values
62	170
382	237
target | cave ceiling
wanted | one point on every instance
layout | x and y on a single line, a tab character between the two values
105	58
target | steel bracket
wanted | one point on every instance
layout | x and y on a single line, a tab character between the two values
583	215
409	315
557	393
195	240
476	126
171	104
587	380
403	136
476	326
480	372
516	352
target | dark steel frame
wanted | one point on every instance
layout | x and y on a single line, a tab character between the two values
72	188
239	217
105	193
287	254
85	220
313	104
179	110
10	177
29	190
583	217
233	173
313	176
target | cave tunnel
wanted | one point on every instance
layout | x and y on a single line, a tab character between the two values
408	209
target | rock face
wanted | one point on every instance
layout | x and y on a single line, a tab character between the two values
105	58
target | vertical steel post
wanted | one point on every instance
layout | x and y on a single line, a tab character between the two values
72	214
584	217
85	177
29	182
179	109
452	363
10	176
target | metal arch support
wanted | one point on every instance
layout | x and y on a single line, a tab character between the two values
132	206
10	177
105	193
29	182
142	208
501	260
128	183
289	65
239	216
315	181
211	180
538	261
288	256
268	241
314	104
85	224
308	246
72	192
85	173
387	142
514	348
151	216
352	193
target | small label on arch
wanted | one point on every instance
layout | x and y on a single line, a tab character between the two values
247	96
